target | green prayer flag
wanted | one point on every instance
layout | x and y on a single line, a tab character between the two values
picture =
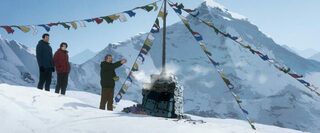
65	25
135	67
148	8
155	6
108	19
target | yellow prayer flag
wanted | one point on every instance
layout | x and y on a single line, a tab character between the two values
114	17
25	29
161	14
74	25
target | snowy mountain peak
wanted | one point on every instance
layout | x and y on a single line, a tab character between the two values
211	4
316	57
82	56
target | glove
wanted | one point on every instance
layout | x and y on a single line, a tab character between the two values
42	69
116	78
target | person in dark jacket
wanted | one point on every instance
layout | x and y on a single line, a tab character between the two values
45	62
61	62
108	78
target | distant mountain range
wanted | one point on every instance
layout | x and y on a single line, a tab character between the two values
82	56
306	53
316	57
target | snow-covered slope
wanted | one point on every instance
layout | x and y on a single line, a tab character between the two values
270	96
293	50
28	110
82	56
315	57
17	63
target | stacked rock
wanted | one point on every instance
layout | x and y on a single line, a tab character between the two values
163	97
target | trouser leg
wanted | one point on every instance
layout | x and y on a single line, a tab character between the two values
48	79
58	86
103	99
64	83
110	99
41	80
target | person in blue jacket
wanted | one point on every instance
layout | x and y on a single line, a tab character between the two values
45	62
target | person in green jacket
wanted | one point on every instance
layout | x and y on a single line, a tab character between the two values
108	78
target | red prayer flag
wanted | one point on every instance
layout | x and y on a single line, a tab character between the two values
8	29
98	20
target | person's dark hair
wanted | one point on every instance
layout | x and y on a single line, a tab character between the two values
108	55
63	43
44	35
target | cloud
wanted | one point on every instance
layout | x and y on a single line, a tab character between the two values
208	84
200	70
214	4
